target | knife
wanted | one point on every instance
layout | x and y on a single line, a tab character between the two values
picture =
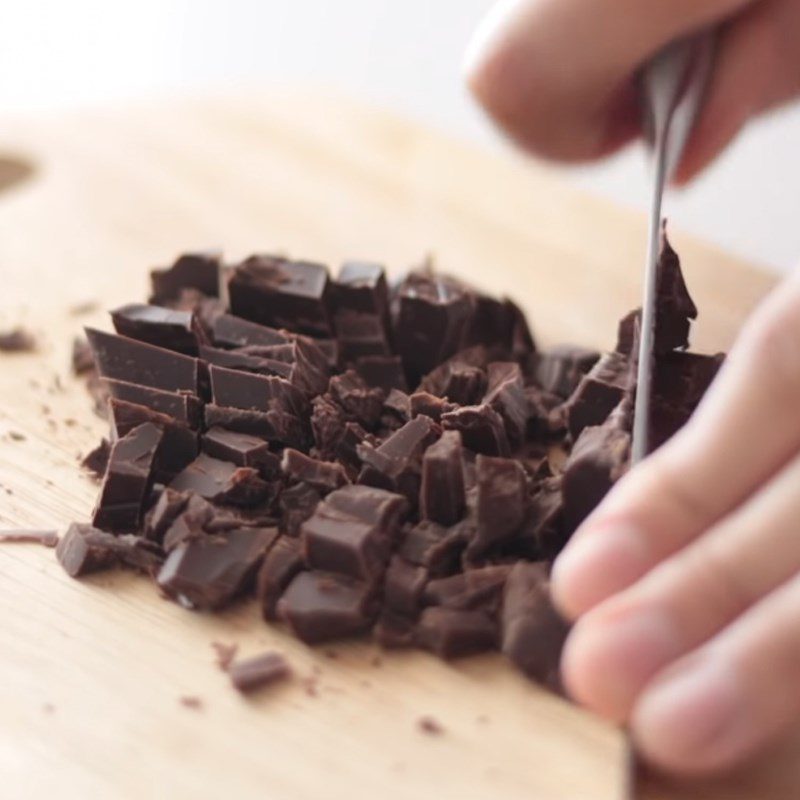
673	85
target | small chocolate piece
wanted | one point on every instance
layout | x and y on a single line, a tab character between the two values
96	461
598	393
506	395
403	588
17	340
433	312
327	425
80	554
162	327
179	446
532	632
281	293
481	427
283	561
430	726
181	406
240	449
82	360
169	506
23	536
198	271
249	674
383	372
429	405
128	479
442	496
125	359
319	607
393	632
235	389
453	633
225	653
474	589
461	379
190	523
436	548
545	532
231	331
361	286
325	476
221	482
501	500
360	335
277	426
297	504
397	407
560	369
363	402
210	571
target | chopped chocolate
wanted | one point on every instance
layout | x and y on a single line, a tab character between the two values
363	402
434	547
506	395
403	588
461	379
128	478
382	371
221	482
241	449
532	632
430	726
433	312
80	554
181	406
163	327
249	674
276	426
225	653
598	393
501	500
179	445
191	522
82	360
17	340
429	405
209	572
297	504
474	589
397	406
319	607
281	293
283	561
162	515
560	369
361	286
453	633
198	271
325	476
231	331
24	536
544	533
96	461
236	389
125	359
360	335
442	497
191	701
393	632
481	427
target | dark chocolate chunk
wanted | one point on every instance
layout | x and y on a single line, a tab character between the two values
360	335
192	522
544	533
325	476
429	405
430	726
236	389
179	446
506	395
163	514
363	402
598	393
82	360
560	369
384	372
182	406
471	590
162	327
434	547
281	293
453	633
225	653
433	312
96	460
327	425
17	340
29	536
397	407
249	674
481	427
393	631
198	271
297	504
231	331
532	632
221	482
127	480
361	286
79	553
461	379
277	426
281	564
319	607
125	359
241	449
403	587
442	496
501	500
209	572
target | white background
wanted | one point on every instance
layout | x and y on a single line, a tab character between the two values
402	54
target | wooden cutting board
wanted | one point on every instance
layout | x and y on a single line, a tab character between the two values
92	672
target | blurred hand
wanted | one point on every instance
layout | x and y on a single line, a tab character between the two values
557	74
685	581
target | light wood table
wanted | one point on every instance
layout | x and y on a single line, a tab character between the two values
91	672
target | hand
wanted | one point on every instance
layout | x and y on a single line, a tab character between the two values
685	581
558	74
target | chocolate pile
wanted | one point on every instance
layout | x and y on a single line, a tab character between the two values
364	458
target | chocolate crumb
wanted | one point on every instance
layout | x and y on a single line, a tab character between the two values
17	340
262	670
17	437
21	535
430	725
191	701
225	653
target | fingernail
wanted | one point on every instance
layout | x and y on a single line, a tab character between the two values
692	715
597	564
612	654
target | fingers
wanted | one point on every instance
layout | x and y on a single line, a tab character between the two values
719	706
745	430
757	66
615	650
556	74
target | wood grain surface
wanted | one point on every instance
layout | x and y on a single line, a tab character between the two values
92	673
